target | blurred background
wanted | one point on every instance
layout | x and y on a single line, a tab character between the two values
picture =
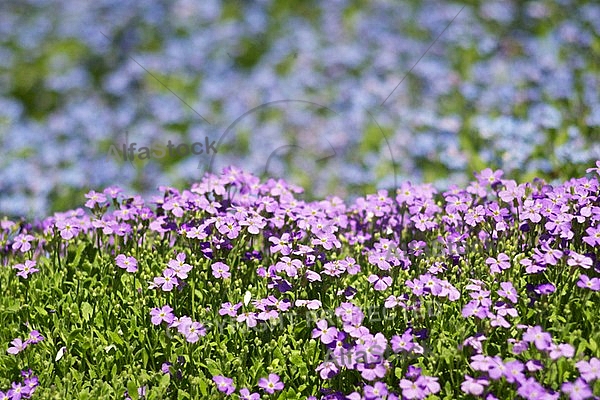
302	90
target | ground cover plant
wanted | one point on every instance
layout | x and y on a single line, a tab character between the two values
237	288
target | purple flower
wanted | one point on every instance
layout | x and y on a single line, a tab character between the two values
267	315
313	276
416	286
288	265
489	177
402	343
326	240
496	368
162	314
94	198
593	238
34	337
475	342
585	282
429	384
26	269
519	346
508	291
229	309
511	192
127	263
597	169
246	395
165	368
179	266
536	335
380	283
578	390
413	372
473	386
68	228
281	245
249	318
254	223
193	331
327	333
224	384
180	323
531	389
579	260
174	205
534	365
380	259
411	390
18	391
327	369
220	270
531	209
499	264
545	289
499	320
270	384
371	371
168	281
27	373
112	191
561	350
480	362
22	242
349	313
17	346
377	391
589	370
513	371
31	382
393	301
229	227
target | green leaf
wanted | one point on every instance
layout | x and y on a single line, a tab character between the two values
132	390
165	380
448	387
296	359
41	311
145	358
592	345
202	387
77	259
13	308
73	335
116	338
398	372
86	311
212	367
277	353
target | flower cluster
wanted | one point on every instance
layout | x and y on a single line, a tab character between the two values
190	329
22	390
174	275
18	345
486	290
269	385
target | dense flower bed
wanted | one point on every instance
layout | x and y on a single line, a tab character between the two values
237	288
